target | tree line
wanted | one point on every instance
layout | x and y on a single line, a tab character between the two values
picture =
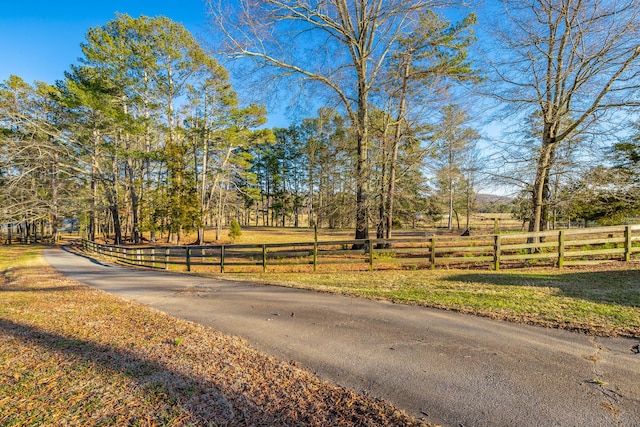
146	136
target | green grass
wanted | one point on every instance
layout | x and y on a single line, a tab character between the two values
596	301
15	256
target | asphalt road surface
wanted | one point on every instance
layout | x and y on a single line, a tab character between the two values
445	367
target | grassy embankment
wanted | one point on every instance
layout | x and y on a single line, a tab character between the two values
70	355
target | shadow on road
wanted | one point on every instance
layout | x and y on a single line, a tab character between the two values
74	250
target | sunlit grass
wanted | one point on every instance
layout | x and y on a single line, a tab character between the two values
481	223
260	235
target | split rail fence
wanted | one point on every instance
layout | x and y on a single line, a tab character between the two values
548	248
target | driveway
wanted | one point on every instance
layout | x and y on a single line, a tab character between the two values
448	368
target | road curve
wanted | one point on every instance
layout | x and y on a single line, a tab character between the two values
445	367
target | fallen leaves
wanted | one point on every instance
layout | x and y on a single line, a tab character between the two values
71	355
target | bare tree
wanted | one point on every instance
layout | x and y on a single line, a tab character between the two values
33	188
573	63
339	46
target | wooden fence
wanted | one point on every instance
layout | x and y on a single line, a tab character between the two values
548	248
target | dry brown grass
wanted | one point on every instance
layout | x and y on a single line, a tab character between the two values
480	223
71	355
259	235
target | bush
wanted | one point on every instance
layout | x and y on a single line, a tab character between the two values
234	230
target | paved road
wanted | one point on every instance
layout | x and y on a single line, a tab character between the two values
445	367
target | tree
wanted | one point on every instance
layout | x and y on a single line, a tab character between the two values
327	156
573	62
454	144
36	160
231	154
625	156
221	135
422	67
94	110
160	121
282	166
336	46
610	194
234	229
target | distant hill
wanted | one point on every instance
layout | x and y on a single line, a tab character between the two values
494	203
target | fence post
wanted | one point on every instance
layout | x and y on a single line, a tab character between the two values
496	252
153	257
187	253
432	253
222	259
370	244
627	243
315	248
561	249
166	258
264	258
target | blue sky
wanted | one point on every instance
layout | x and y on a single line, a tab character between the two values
39	39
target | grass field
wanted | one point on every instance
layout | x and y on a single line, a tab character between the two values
74	356
480	223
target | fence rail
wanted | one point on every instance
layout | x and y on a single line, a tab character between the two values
555	248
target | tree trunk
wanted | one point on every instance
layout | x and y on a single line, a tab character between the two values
468	206
93	223
396	144
540	192
362	177
135	205
54	201
382	213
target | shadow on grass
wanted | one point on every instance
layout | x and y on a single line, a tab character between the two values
150	375
9	284
616	287
204	402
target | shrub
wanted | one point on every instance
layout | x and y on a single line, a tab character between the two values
234	230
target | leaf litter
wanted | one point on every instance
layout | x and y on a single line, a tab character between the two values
71	355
